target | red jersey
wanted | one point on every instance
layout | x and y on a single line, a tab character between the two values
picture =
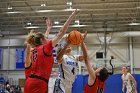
97	87
42	60
28	71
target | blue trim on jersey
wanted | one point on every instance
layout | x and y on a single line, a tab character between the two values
62	71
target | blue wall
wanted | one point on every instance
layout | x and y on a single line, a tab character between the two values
113	84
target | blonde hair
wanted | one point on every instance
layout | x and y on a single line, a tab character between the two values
29	38
33	38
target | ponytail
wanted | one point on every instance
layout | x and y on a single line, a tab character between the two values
33	38
30	38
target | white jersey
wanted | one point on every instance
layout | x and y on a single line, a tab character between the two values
68	69
128	83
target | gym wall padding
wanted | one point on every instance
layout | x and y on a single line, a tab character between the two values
113	84
78	85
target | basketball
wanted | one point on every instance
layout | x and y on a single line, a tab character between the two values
75	37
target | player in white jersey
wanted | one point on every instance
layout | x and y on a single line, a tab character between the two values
68	70
128	81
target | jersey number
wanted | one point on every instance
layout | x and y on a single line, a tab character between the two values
99	90
34	56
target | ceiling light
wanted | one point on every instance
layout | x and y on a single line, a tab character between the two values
43	5
134	24
57	26
10	8
56	22
77	22
79	25
70	10
69	3
40	11
45	11
72	26
29	23
132	33
12	12
32	27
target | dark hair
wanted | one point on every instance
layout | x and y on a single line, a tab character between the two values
103	74
37	37
127	67
34	38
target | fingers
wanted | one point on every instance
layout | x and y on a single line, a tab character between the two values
85	34
75	12
48	22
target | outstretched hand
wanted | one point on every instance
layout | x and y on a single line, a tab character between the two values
84	36
48	23
75	12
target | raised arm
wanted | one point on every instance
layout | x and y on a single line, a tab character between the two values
49	26
90	70
63	30
28	56
62	51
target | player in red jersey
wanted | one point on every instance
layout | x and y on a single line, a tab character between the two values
42	59
28	63
96	79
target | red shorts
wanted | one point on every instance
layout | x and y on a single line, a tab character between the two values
34	85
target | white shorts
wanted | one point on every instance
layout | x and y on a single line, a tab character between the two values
62	86
68	86
58	86
130	89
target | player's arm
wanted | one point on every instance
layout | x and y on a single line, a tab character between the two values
63	30
134	81
62	52
90	70
49	26
81	58
123	85
28	56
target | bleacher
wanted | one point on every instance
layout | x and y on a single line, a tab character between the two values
8	87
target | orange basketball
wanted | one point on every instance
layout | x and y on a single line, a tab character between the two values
75	37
